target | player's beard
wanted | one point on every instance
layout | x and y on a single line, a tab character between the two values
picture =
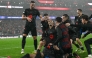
32	7
78	14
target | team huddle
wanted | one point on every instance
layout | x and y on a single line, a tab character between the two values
58	35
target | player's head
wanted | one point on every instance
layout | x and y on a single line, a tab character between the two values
79	12
32	4
84	19
65	17
46	16
58	20
51	23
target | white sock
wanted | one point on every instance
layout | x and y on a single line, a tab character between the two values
89	55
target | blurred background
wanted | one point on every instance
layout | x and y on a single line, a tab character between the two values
11	23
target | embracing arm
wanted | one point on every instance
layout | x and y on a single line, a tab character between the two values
59	35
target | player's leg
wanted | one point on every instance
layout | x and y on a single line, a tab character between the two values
79	42
25	33
87	45
34	35
72	40
41	43
67	52
76	44
38	55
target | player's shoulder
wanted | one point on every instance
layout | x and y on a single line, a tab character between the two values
36	9
27	9
83	14
61	25
68	21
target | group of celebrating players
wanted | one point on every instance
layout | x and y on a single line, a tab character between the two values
58	36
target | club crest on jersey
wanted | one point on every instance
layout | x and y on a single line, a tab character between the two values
51	36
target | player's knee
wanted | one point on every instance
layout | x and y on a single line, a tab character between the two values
34	37
77	39
41	43
24	34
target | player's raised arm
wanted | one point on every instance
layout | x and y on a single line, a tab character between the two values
45	17
41	18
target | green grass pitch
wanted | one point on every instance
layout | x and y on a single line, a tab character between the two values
12	47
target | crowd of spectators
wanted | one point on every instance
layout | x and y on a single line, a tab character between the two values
18	12
15	27
10	12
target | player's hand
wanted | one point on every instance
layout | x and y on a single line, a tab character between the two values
67	24
50	44
56	47
42	19
40	16
29	19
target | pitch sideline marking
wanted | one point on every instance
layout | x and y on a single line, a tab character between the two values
15	47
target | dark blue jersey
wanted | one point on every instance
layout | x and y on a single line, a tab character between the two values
71	29
63	36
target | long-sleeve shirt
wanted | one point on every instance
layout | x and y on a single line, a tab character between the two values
78	21
71	29
87	26
44	26
62	36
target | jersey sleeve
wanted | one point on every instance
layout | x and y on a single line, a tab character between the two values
44	25
38	13
24	12
75	19
59	35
